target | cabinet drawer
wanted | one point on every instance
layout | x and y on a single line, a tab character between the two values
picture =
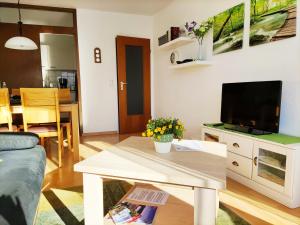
239	164
239	145
211	135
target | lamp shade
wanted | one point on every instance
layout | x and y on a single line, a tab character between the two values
20	43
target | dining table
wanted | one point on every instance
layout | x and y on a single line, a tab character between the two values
71	108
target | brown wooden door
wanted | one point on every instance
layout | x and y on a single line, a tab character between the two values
133	61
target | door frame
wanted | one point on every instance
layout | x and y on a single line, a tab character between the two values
147	75
57	30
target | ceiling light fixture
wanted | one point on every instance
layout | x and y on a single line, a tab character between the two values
20	42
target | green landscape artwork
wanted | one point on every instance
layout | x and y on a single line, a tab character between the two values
229	29
272	20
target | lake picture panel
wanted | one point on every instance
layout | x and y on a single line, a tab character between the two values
229	30
272	20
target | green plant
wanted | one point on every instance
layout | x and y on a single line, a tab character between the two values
198	31
161	128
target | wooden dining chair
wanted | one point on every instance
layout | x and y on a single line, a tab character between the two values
5	113
64	96
41	114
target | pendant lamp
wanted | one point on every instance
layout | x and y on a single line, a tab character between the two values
20	42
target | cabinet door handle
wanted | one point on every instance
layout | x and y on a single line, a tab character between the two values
235	163
255	160
236	145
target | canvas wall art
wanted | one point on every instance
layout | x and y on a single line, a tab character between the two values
229	29
272	20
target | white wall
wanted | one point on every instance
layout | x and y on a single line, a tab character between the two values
99	81
194	95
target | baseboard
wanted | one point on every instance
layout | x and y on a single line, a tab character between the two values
99	133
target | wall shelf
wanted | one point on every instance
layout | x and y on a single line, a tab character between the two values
176	43
192	64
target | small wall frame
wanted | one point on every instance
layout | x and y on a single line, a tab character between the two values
97	55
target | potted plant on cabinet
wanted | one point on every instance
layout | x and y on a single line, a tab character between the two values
163	130
199	31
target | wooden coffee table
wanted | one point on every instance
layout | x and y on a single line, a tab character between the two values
134	159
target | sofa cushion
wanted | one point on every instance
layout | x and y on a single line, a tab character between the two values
5	128
42	129
21	176
17	141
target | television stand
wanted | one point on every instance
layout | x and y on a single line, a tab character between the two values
269	164
248	130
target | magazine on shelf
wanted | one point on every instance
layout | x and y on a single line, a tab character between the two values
126	212
148	196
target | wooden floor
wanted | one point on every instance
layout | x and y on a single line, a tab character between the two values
252	206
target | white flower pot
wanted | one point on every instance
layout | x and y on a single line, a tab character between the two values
162	147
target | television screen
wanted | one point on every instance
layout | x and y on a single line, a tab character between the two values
255	105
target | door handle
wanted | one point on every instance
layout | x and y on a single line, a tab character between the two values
235	163
255	160
236	145
122	85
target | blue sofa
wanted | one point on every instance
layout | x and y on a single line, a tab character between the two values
22	167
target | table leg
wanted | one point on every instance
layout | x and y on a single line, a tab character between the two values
75	132
93	199
205	206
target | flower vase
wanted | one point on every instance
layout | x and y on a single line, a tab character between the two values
164	144
201	52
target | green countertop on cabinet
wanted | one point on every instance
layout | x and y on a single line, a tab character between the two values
275	137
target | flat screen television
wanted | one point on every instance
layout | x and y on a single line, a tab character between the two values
252	107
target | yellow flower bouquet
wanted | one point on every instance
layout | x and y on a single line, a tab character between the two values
164	129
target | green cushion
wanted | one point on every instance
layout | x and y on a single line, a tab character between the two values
17	141
21	176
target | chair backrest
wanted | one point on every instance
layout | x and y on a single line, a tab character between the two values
40	105
5	113
15	91
64	95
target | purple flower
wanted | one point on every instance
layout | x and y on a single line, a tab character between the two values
187	26
190	26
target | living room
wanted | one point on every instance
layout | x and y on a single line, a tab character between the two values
185	74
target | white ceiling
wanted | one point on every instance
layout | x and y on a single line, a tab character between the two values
142	7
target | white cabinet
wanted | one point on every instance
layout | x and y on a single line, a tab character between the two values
211	135
45	56
270	168
57	58
239	164
238	145
61	59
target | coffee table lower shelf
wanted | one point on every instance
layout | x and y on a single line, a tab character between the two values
185	205
178	210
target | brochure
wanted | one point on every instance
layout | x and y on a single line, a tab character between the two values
126	212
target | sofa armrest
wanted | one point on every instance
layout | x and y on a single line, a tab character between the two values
17	140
